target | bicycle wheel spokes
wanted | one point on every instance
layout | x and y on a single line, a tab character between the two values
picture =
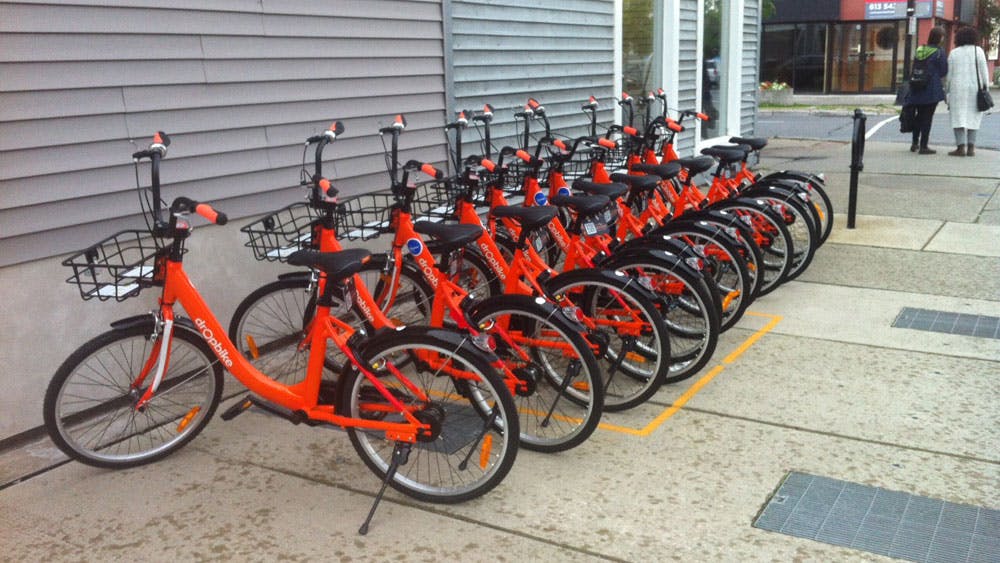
91	405
469	451
558	396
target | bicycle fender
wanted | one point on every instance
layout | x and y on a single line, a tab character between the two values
545	308
587	274
664	259
447	339
295	275
148	319
807	177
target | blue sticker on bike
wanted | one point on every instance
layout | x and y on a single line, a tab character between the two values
414	246
540	199
564	191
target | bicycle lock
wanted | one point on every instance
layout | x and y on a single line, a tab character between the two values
857	163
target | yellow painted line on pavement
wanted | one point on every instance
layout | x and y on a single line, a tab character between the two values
701	383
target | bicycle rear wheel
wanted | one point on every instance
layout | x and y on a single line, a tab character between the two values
476	428
627	328
560	400
770	234
686	306
90	405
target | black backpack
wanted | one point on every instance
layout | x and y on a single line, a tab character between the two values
920	74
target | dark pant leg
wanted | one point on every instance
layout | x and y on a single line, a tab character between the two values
922	123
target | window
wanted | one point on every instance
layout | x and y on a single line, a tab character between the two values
715	68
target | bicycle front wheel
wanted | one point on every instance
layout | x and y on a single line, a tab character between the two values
475	425
90	407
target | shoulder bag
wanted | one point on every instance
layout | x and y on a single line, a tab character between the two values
984	101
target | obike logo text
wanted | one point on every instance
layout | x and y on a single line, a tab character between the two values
540	199
428	271
554	231
213	342
494	263
363	305
563	191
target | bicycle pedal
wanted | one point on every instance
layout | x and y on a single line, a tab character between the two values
237	408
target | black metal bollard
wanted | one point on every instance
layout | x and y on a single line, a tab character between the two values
857	163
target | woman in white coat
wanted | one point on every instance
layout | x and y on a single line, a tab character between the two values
963	84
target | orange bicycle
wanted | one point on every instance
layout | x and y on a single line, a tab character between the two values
545	361
149	385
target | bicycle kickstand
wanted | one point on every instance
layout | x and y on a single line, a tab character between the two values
400	454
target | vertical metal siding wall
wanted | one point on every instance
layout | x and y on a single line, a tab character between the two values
751	62
558	52
237	83
688	70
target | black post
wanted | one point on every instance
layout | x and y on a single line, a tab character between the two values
911	14
901	88
857	163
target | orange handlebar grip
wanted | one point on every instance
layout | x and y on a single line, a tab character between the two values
325	186
206	211
674	126
559	143
701	116
488	164
607	143
523	156
431	171
630	130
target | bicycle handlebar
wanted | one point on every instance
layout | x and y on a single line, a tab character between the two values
335	129
397	125
187	205
486	116
424	167
461	122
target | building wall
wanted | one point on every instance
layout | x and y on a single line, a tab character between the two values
689	71
238	84
556	51
750	66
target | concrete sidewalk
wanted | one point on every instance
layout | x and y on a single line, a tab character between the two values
813	379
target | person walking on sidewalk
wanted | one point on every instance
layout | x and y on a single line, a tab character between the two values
968	74
926	88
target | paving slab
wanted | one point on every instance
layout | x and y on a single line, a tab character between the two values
967	238
894	269
884	231
916	400
865	316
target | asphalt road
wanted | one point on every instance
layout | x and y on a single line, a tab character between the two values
827	125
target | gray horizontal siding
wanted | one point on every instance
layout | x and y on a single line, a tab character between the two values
687	80
750	62
238	85
558	52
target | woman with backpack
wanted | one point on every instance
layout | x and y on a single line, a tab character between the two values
926	88
970	74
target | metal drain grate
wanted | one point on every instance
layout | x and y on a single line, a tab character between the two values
948	323
881	521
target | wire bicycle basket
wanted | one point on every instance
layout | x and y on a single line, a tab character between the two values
275	236
119	266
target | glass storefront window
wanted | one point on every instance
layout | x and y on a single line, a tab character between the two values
640	63
714	88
